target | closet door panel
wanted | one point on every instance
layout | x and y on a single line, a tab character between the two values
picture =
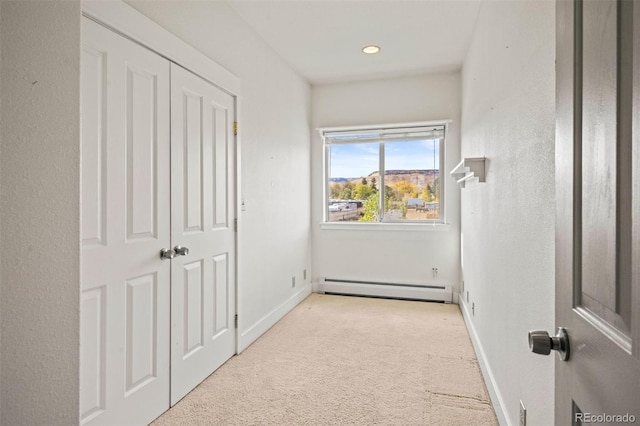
94	145
202	179
125	210
141	122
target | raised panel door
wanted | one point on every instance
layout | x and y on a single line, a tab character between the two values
125	222
598	200
202	182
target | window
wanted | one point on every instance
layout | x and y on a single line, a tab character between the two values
389	174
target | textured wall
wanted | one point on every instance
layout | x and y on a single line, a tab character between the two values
39	206
0	217
274	239
388	254
508	115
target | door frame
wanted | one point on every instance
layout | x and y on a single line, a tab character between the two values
128	22
568	129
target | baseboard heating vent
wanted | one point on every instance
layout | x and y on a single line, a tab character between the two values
435	293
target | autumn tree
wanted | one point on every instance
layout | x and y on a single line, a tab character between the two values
335	190
370	209
405	189
427	194
390	194
346	192
362	192
436	191
390	197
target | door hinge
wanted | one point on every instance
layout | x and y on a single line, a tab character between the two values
235	224
235	319
235	128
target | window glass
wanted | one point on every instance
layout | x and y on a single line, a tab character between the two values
412	180
352	181
384	175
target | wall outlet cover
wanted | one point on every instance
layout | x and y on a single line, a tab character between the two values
523	414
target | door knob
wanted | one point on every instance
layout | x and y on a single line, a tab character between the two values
541	343
181	251
167	254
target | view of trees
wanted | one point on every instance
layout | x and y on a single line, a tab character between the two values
396	195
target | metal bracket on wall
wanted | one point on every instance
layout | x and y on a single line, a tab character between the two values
469	168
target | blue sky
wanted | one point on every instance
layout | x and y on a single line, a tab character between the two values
360	159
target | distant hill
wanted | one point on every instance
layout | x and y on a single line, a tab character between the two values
341	180
420	178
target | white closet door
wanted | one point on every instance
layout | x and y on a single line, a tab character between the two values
124	377
202	220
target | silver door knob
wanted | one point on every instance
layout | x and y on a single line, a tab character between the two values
167	254
541	343
181	251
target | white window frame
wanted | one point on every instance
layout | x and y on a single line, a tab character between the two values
389	131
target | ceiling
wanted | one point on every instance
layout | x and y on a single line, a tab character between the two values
322	39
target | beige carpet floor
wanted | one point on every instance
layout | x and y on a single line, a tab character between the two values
339	360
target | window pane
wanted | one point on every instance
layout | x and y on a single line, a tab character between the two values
353	182
412	180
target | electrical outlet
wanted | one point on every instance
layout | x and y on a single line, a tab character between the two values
523	414
293	282
304	274
434	271
473	308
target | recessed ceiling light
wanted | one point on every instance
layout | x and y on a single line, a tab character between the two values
371	49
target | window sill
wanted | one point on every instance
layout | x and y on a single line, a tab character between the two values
377	226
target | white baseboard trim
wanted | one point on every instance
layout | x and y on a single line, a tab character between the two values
315	286
399	290
247	337
487	373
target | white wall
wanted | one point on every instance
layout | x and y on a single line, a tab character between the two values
274	237
39	207
508	115
40	146
385	255
0	216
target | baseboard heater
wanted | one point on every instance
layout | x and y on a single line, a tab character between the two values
435	293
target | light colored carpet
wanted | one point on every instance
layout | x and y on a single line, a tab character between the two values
338	360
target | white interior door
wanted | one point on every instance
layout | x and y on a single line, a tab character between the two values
598	211
124	377
202	220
